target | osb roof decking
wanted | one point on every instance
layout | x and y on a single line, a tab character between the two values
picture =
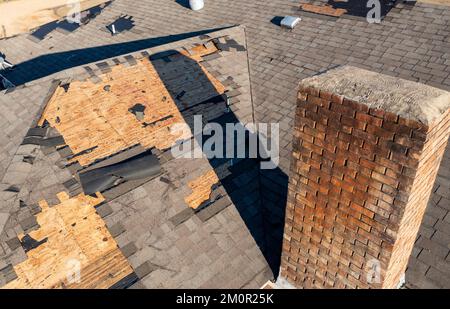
72	233
104	109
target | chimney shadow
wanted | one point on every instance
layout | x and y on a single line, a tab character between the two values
195	94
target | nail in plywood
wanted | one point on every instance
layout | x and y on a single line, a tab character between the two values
201	189
76	235
88	117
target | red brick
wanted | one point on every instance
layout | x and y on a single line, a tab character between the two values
354	180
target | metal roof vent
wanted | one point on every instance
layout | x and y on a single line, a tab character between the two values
290	22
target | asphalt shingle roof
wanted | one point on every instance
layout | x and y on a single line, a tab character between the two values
412	42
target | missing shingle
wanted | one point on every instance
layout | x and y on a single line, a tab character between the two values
46	142
123	23
29	243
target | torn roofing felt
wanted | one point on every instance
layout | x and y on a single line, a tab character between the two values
92	114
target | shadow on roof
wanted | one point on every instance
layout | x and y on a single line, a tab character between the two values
242	179
49	64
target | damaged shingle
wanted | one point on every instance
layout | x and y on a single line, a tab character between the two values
7	274
29	243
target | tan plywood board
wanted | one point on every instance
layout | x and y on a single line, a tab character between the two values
76	235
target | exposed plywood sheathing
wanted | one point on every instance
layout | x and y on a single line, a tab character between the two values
75	233
323	10
201	189
88	116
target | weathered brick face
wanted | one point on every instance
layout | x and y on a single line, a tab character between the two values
359	184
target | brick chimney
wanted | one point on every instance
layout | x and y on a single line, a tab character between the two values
366	151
